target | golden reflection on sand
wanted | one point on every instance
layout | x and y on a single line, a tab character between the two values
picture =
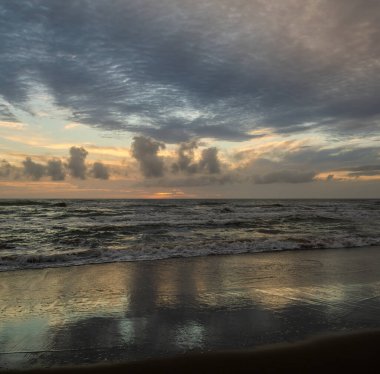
167	286
185	304
59	295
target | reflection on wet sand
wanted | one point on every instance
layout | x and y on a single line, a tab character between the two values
128	311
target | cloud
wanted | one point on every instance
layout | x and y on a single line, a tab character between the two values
100	171
209	161
285	176
362	170
5	169
12	125
297	156
145	151
55	170
7	116
174	70
334	158
369	173
76	163
185	162
71	126
32	169
295	162
179	130
192	181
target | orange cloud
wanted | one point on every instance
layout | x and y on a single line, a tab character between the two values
12	125
72	125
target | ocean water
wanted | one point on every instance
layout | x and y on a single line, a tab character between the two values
45	233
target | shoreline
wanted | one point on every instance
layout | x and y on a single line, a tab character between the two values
190	257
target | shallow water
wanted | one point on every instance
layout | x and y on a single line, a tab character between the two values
45	233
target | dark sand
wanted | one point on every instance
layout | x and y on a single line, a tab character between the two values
153	310
349	353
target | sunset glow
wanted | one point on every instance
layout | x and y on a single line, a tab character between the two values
209	98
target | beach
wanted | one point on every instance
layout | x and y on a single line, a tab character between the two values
130	311
350	352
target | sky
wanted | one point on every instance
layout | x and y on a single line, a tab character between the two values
189	99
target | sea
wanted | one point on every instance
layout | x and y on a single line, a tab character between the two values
53	233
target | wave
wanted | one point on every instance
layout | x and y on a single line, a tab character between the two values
153	205
130	226
79	234
212	203
68	258
176	250
6	203
23	202
6	245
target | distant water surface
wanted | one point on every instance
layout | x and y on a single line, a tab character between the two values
43	233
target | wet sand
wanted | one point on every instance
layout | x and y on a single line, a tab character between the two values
348	353
151	310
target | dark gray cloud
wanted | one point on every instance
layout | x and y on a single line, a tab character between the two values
181	131
209	161
145	150
285	176
177	69
321	159
369	173
6	114
100	171
305	163
56	170
76	164
334	158
362	170
33	169
5	169
185	162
